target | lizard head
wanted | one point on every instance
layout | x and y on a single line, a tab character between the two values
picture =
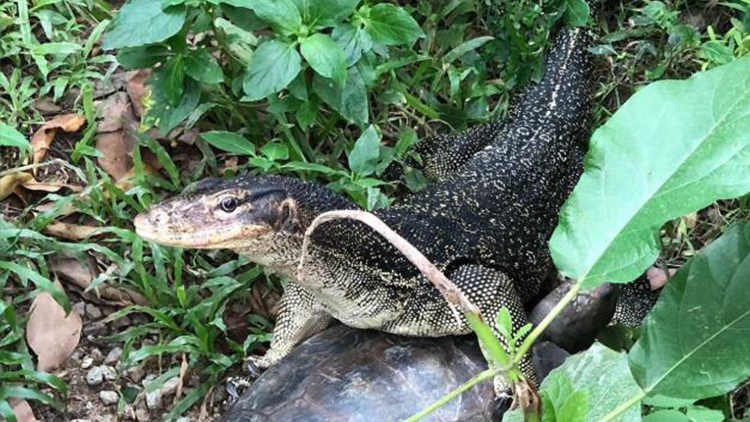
239	214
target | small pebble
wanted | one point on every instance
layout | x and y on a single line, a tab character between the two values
153	399
170	387
113	357
135	373
141	414
97	374
93	311
80	308
183	419
108	396
96	354
87	362
148	379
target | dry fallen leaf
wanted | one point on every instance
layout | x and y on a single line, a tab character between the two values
113	111
50	333
70	231
49	186
9	182
125	182
137	89
43	137
22	410
81	273
117	150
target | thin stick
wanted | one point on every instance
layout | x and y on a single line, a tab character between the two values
449	290
30	167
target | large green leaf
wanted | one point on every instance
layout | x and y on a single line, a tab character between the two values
325	57
673	148
599	371
353	40
273	66
142	22
696	342
351	101
391	25
281	14
366	152
323	13
202	67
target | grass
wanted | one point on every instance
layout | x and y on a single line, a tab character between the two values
50	52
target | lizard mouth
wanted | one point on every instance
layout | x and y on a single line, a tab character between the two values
157	227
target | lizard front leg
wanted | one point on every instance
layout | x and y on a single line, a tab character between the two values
300	317
490	291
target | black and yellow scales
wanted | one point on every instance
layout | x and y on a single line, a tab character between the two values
485	222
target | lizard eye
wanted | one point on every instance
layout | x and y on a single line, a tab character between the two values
229	205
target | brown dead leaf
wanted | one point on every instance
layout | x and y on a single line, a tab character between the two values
117	150
43	137
46	106
137	89
9	182
68	231
67	210
81	273
22	410
125	182
50	333
113	111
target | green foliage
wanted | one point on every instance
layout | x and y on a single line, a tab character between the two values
673	148
680	346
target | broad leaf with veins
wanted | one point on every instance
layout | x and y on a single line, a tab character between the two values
673	148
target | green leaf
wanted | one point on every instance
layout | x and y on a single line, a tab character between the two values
325	57
391	25
141	22
306	113
353	40
174	79
466	47
273	66
200	66
694	344
169	117
492	350
704	414
576	12
62	48
666	416
364	157
281	14
275	151
142	57
325	13
350	102
601	372
300	166
230	142
671	149
9	137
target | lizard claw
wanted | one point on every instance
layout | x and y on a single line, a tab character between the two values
503	402
253	369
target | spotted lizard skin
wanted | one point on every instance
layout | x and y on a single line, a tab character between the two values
485	222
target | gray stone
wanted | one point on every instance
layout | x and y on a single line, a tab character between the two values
108	396
170	387
87	362
113	357
98	374
153	399
141	414
136	373
93	312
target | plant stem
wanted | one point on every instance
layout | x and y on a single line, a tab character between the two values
483	376
539	329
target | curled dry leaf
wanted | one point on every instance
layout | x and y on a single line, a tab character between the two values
51	334
49	186
9	182
43	137
70	231
22	410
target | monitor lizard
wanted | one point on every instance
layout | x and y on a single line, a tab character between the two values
485	222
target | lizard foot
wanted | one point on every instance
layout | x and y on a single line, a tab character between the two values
503	402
